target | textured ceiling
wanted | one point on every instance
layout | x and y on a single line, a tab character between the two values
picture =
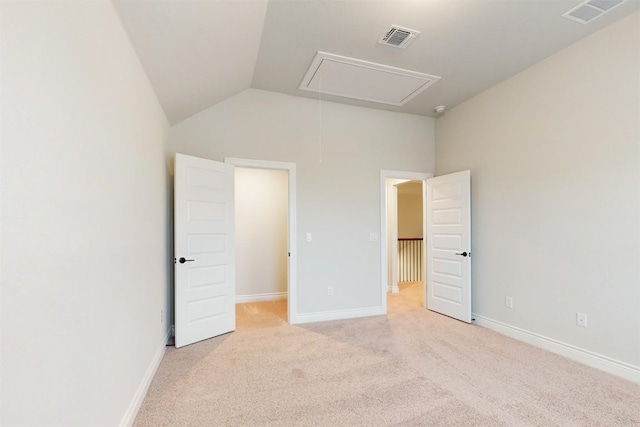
199	52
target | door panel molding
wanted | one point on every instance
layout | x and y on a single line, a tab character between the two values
204	263
448	236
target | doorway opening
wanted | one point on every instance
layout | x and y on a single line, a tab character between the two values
265	241
403	260
410	233
261	245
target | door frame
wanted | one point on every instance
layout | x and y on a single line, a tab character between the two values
384	244
392	234
292	288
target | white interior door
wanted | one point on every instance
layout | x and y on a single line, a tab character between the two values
204	249
448	204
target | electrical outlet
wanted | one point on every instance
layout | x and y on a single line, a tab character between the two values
373	237
581	319
309	237
508	302
330	290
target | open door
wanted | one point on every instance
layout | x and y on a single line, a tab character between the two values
204	249
448	234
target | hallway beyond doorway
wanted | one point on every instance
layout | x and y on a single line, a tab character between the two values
410	295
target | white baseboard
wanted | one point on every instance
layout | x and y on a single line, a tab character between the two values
273	296
130	416
589	358
339	314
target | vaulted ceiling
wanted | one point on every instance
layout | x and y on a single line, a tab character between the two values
200	52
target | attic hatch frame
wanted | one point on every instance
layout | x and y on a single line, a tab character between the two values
421	80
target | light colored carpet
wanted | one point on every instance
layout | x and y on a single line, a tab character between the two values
409	368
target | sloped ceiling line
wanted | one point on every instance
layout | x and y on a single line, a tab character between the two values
200	52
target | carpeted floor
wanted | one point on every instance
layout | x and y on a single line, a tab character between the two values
409	368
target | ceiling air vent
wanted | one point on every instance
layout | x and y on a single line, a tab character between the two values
399	37
589	10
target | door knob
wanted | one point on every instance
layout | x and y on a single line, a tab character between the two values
183	260
463	254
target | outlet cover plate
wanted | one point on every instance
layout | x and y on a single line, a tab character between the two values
508	302
581	320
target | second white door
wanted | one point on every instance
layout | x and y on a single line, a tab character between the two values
448	234
204	249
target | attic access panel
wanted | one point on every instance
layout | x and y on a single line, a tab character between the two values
367	81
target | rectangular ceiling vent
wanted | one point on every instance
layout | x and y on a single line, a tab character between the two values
589	10
399	37
367	81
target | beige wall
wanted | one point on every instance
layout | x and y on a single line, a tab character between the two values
83	266
339	151
554	154
410	212
261	231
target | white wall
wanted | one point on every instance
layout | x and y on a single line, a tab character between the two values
261	205
83	264
409	213
554	154
339	151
